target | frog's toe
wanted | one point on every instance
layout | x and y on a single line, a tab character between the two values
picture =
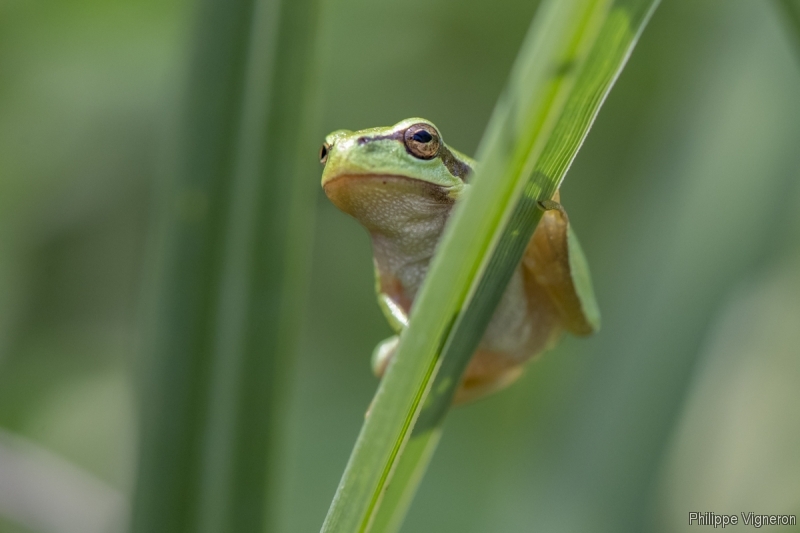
487	373
550	205
383	353
483	386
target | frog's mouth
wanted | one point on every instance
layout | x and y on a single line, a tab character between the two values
386	202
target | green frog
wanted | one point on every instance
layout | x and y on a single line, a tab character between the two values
401	182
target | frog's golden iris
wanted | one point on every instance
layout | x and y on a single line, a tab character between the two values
422	141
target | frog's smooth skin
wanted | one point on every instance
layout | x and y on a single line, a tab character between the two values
400	183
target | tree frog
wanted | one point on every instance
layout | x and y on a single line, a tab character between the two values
401	182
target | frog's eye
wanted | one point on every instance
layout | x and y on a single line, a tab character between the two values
422	136
323	153
422	141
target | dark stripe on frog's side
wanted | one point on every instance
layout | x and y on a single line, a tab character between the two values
457	168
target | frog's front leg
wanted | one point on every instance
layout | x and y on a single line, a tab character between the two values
488	370
398	319
395	315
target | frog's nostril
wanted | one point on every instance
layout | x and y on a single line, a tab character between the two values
323	153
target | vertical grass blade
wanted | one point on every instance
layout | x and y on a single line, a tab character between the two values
230	277
571	57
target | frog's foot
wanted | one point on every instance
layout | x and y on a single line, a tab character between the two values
487	373
551	205
383	353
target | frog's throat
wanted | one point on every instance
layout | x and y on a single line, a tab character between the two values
440	192
405	218
388	203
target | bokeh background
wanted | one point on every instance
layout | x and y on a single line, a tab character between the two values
686	198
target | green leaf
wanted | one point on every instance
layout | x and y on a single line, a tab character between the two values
230	278
571	57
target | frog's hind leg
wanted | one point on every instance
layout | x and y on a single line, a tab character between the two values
487	372
554	263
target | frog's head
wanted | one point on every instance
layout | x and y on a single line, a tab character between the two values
369	173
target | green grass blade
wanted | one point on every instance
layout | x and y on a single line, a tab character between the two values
606	60
236	238
535	131
406	479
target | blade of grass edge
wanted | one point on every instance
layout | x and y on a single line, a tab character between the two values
541	80
610	52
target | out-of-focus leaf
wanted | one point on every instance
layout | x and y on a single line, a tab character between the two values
231	283
713	463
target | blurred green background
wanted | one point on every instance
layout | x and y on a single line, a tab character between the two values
686	198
